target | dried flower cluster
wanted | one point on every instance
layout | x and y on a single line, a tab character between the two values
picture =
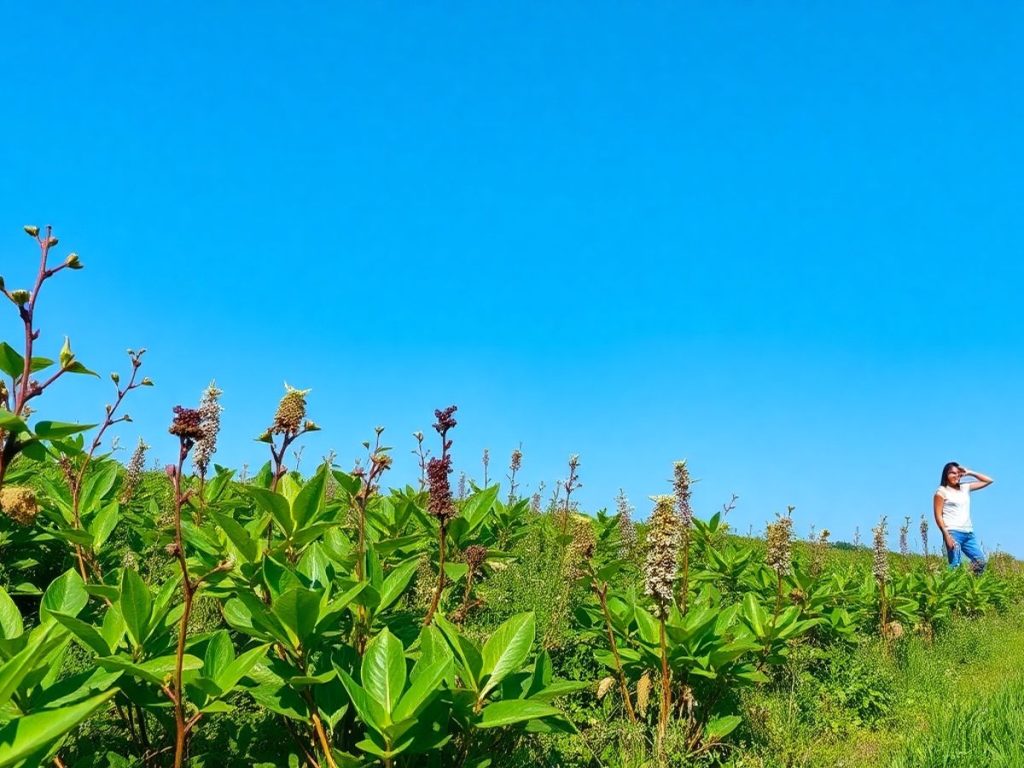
209	418
924	535
475	556
441	504
627	529
187	424
133	472
514	465
663	548
643	693
780	540
681	487
580	551
19	504
904	532
881	564
819	549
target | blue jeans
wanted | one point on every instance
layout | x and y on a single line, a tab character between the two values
965	543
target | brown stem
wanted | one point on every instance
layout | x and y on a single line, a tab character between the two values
666	689
181	728
440	577
602	594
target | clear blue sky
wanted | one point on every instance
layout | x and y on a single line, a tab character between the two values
782	241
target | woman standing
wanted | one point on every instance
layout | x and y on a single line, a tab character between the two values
952	505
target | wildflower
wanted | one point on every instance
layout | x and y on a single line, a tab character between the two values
924	534
780	539
187	424
517	460
818	550
133	472
19	503
881	564
904	530
441	504
681	486
581	549
209	417
535	502
291	411
462	486
627	530
663	547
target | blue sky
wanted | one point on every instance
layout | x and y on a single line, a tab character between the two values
779	240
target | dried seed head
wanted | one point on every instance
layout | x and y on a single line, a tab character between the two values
881	562
19	504
291	411
445	419
441	504
604	686
209	417
643	692
779	541
187	424
517	460
681	487
663	548
475	556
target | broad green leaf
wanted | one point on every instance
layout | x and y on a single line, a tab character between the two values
77	367
85	633
25	736
40	364
219	654
13	671
367	708
103	524
395	583
11	423
474	510
298	609
66	594
11	624
241	667
720	727
427	682
99	480
276	505
502	713
465	649
310	500
244	543
383	669
50	430
507	649
136	605
11	363
157	671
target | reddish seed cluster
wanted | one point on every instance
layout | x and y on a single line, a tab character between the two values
475	555
445	419
187	423
441	504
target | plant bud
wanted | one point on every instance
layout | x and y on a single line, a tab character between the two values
66	355
1	283
32	230
312	426
115	377
52	241
21	297
147	382
72	261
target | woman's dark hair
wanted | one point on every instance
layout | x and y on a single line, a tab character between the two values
945	471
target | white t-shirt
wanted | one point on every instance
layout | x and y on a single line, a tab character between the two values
956	508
